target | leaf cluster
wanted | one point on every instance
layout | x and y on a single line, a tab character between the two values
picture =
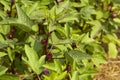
57	39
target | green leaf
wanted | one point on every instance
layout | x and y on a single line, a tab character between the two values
75	75
68	17
67	30
54	38
42	60
37	45
38	14
10	54
86	39
23	18
35	27
2	14
98	59
99	14
95	48
2	54
85	2
4	29
97	27
50	66
3	70
74	65
77	4
58	66
8	42
52	27
32	59
31	54
61	76
85	77
2	45
5	3
34	6
9	77
52	14
112	50
88	68
86	12
25	59
23	21
62	7
62	30
1	38
78	55
117	20
45	2
110	38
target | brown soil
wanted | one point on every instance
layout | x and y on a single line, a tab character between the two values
109	71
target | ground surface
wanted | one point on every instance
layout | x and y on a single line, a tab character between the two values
109	71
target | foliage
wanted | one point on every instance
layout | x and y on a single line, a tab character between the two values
56	39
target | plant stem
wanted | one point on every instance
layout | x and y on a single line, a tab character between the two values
38	77
12	67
